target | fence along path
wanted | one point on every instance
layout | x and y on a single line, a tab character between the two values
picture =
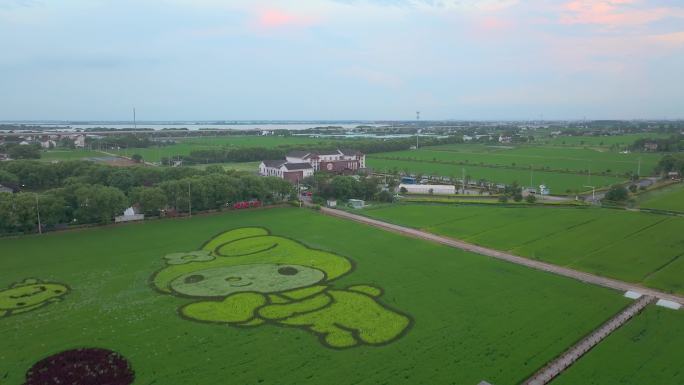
557	366
538	265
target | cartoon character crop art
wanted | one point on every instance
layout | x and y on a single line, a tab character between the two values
247	277
29	295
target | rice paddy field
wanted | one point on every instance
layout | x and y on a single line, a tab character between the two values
282	296
559	183
62	155
647	350
636	247
186	145
563	169
601	141
239	166
579	160
670	198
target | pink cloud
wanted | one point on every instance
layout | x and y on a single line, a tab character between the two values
613	13
275	18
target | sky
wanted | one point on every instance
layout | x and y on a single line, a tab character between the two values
341	59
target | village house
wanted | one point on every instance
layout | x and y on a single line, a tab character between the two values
301	164
291	171
651	146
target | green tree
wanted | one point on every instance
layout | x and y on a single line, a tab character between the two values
150	199
7	177
98	204
617	193
31	151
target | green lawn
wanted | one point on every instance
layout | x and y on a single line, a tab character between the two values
648	350
636	247
559	183
472	317
669	198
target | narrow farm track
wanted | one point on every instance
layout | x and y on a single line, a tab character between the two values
557	366
538	265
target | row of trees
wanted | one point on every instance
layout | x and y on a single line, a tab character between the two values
21	151
674	143
84	192
327	186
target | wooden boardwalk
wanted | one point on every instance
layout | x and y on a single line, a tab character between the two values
557	366
538	265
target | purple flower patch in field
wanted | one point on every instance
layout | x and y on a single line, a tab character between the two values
87	366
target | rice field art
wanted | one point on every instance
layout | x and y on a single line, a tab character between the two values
247	277
28	295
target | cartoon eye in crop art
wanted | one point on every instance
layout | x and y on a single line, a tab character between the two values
187	257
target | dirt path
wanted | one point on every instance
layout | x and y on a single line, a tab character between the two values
543	266
557	366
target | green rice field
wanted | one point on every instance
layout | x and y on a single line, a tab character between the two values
579	160
62	155
285	296
185	146
647	350
630	246
239	166
559	183
601	141
670	199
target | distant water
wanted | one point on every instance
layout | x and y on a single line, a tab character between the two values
195	125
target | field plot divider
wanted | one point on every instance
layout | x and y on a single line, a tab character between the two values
534	264
569	357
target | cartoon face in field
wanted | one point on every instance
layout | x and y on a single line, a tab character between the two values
247	277
260	278
29	295
247	260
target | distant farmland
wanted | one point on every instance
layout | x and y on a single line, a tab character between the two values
562	169
186	146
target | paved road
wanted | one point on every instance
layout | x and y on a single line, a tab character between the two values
557	366
563	271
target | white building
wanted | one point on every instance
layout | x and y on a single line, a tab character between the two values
292	171
79	141
436	189
48	144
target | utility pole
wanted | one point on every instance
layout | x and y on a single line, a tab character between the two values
40	228
189	201
639	168
463	178
531	184
593	194
135	122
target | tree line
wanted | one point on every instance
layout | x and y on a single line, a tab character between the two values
80	192
674	143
